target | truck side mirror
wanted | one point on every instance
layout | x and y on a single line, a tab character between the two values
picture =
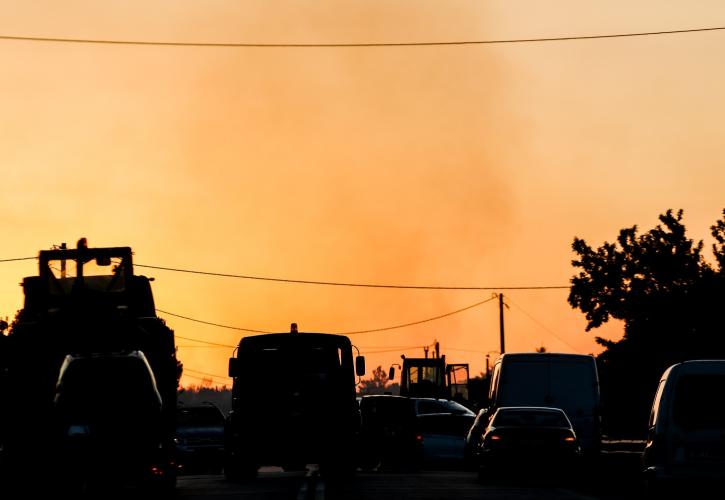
391	373
360	366
233	367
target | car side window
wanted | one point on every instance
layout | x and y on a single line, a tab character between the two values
425	407
494	383
656	404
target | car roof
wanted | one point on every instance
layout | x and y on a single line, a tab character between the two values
541	409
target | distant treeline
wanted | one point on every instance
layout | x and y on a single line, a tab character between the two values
196	395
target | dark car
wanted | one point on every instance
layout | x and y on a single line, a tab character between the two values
685	447
528	440
387	436
200	439
442	438
473	436
426	406
108	415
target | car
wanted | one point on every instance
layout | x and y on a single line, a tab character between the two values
473	436
426	406
528	440
200	438
108	418
441	437
685	444
387	437
566	381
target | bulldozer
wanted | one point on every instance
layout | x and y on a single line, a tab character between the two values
85	303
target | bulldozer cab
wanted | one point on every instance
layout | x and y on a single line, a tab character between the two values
91	276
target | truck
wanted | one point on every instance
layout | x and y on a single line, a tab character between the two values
85	303
433	378
293	404
558	380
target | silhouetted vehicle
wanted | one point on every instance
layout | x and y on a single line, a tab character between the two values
528	440
433	378
200	438
83	301
423	377
108	419
686	439
388	433
566	381
473	437
442	436
424	406
293	403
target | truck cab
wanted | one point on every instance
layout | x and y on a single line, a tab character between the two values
293	403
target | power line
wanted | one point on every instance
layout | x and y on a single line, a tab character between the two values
327	283
205	373
446	348
457	311
423	320
18	258
396	349
351	45
198	346
203	379
551	332
205	342
349	284
210	323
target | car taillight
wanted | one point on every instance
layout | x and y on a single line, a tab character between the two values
569	439
495	437
419	438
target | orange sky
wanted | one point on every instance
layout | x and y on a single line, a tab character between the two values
462	165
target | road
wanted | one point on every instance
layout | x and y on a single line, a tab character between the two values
615	478
423	485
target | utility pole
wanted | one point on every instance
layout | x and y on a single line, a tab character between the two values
500	320
62	262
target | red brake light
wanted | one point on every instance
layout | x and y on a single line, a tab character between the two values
419	438
495	437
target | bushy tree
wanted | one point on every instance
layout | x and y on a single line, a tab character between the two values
669	297
376	383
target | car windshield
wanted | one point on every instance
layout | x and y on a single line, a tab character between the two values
427	406
529	418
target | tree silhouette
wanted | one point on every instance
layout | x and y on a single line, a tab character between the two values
668	296
376	383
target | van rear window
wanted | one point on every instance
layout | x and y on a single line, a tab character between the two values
699	402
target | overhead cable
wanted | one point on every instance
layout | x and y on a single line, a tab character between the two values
457	311
18	258
330	283
99	41
205	342
205	373
547	329
350	284
210	323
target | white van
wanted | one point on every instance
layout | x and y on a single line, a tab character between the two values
686	438
566	381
